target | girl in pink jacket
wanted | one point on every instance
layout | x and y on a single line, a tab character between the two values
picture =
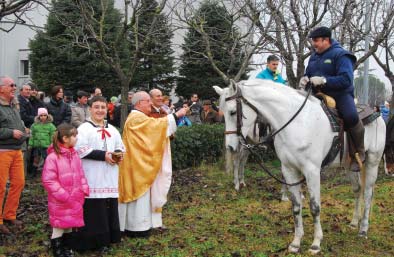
65	182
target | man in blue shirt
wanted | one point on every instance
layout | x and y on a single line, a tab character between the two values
330	70
271	72
385	111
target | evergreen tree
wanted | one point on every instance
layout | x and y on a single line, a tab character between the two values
156	66
56	57
196	72
376	90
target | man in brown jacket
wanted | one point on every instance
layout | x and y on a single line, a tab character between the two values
208	115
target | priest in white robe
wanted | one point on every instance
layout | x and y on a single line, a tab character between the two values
145	173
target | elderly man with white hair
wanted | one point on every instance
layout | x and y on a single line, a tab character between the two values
12	136
146	171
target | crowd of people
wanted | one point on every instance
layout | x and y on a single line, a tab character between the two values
98	184
101	184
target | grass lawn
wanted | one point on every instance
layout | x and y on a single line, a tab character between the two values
207	217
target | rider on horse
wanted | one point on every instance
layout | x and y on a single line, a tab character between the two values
330	70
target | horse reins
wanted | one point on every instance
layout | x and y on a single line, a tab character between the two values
238	97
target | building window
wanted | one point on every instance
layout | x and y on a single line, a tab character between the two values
24	67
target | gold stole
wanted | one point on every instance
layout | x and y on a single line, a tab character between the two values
145	139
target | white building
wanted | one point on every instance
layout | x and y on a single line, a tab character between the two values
14	45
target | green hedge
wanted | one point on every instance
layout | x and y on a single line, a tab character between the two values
197	143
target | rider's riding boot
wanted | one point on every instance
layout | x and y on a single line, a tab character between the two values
356	146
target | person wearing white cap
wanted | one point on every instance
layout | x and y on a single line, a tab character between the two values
42	131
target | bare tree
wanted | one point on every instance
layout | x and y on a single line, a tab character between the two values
244	35
130	32
282	27
294	19
12	11
387	55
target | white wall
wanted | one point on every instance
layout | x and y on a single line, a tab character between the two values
14	44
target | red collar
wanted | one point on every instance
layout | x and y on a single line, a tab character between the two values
104	133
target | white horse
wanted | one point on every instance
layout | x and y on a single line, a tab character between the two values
301	146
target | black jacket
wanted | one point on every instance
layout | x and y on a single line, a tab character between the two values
117	113
26	111
36	103
60	111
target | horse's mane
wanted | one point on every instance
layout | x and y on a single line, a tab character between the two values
290	92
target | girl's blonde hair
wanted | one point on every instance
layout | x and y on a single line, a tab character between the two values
63	130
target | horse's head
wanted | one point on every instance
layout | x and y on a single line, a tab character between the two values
237	120
229	110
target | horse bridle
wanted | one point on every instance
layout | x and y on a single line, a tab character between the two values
238	97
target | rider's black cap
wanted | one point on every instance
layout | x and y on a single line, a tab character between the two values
320	32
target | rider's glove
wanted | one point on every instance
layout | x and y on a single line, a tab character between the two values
318	81
303	82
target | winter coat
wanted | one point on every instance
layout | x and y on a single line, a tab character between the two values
268	74
385	112
36	103
209	118
80	114
184	121
195	112
336	65
10	119
64	180
60	111
41	133
26	110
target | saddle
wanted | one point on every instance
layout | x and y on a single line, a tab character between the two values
365	114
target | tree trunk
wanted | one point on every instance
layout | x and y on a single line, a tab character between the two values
391	78
124	110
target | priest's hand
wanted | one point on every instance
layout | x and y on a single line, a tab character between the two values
108	158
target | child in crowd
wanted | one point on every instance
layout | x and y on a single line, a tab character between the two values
184	121
64	180
100	146
42	132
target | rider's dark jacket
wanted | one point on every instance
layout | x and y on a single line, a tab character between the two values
336	65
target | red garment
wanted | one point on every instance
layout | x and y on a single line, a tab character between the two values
157	113
111	109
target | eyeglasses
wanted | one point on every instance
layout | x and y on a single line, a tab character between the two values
12	85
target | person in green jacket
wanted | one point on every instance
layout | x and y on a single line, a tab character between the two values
42	131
